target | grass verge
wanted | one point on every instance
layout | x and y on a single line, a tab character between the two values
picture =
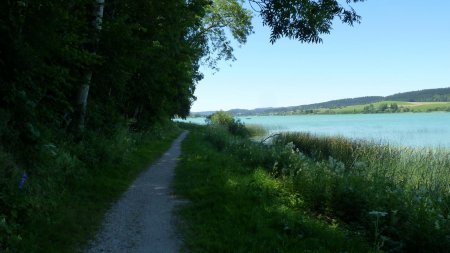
236	207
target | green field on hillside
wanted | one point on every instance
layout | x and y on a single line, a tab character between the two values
388	107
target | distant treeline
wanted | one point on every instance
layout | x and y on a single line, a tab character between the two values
428	95
335	103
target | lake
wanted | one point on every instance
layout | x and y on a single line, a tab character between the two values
405	129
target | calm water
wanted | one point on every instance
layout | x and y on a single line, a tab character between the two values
406	129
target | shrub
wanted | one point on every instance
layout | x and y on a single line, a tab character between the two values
220	118
225	119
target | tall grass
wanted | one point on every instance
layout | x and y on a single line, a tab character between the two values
399	197
409	188
256	131
415	169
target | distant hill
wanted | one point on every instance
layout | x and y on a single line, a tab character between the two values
336	103
428	95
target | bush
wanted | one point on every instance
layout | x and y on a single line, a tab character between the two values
220	118
225	119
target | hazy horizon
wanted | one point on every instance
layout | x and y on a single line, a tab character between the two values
314	102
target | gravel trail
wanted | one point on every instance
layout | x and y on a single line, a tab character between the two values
141	221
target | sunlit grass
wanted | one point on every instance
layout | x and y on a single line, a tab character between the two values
237	207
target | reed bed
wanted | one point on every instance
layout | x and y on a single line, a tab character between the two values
400	194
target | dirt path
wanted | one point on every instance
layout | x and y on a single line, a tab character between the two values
141	221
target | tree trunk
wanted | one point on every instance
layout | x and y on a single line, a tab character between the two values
82	99
84	88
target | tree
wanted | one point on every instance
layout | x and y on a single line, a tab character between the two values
303	20
211	35
369	109
95	28
382	107
394	107
226	120
221	118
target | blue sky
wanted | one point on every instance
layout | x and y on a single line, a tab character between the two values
401	45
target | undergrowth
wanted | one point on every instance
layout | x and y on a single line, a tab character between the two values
56	201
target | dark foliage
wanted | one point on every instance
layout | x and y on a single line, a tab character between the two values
428	95
144	72
304	20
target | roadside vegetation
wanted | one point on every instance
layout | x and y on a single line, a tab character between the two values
237	207
253	197
60	204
